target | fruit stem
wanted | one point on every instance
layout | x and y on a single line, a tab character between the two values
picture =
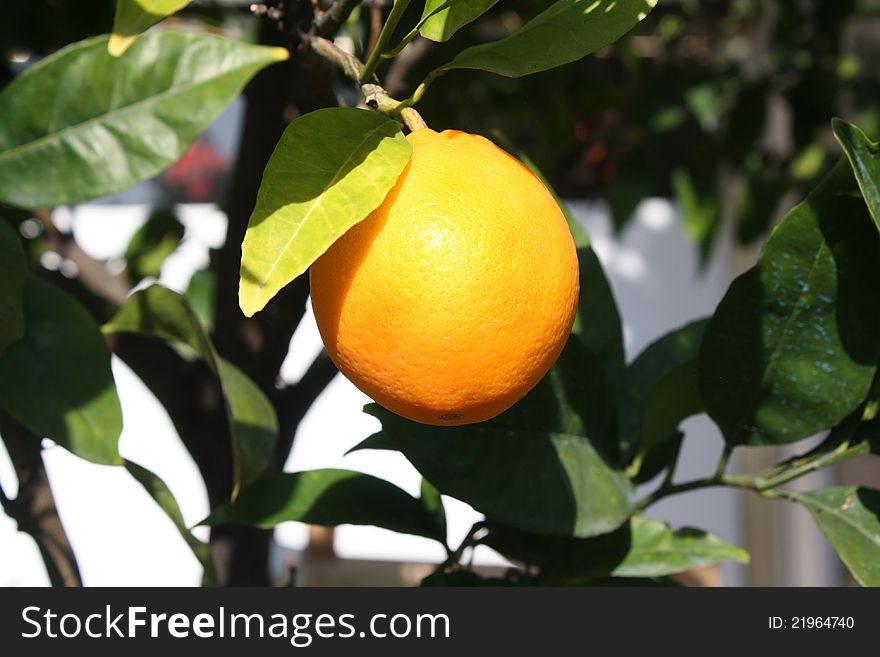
375	95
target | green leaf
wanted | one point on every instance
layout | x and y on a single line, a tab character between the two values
330	169
12	264
792	349
161	313
522	468
849	517
160	492
82	124
432	501
200	293
563	33
375	441
56	380
658	550
443	18
660	390
864	157
701	212
328	497
134	16
641	548
153	242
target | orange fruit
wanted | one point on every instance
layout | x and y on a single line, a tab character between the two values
453	298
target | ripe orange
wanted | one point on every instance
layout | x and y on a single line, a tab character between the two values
453	298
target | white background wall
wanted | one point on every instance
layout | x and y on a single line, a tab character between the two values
121	538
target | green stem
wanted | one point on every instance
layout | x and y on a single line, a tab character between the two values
423	86
397	10
800	467
724	460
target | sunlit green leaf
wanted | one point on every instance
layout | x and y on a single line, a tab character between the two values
82	124
563	33
792	348
329	497
331	169
443	18
864	157
849	517
56	380
162	313
135	16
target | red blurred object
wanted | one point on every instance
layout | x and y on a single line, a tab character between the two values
194	176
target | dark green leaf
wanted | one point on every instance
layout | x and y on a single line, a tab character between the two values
442	18
157	239
864	157
159	312
82	124
331	169
11	286
660	390
792	348
563	33
376	441
165	499
759	199
528	468
849	517
134	16
56	380
328	497
432	501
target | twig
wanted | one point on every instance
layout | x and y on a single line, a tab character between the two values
34	508
375	96
92	273
294	401
332	19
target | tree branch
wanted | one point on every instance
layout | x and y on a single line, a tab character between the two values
294	401
34	507
331	20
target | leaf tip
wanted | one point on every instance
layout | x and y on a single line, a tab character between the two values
280	54
250	301
118	44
